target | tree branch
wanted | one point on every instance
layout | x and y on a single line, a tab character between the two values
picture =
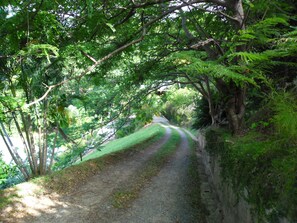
88	56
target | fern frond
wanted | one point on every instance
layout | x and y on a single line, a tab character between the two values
188	62
292	33
249	57
268	25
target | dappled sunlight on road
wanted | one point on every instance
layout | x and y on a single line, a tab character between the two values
32	200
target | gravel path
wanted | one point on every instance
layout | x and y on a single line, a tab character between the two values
166	198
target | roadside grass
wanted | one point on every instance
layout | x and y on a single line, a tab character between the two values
193	183
123	196
138	139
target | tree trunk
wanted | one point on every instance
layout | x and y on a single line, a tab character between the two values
235	109
44	138
53	151
236	94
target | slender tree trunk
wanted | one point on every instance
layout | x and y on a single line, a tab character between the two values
53	151
29	137
212	111
44	142
64	136
14	154
26	120
24	142
30	133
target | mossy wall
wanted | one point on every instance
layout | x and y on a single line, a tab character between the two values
251	183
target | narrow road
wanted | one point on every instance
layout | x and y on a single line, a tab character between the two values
164	199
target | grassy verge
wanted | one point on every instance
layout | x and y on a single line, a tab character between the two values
263	165
193	183
123	197
66	180
141	137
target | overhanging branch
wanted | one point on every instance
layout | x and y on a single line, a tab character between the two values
88	70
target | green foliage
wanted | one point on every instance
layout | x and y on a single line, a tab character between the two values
4	169
272	39
262	32
261	124
40	51
179	104
249	57
9	102
68	157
